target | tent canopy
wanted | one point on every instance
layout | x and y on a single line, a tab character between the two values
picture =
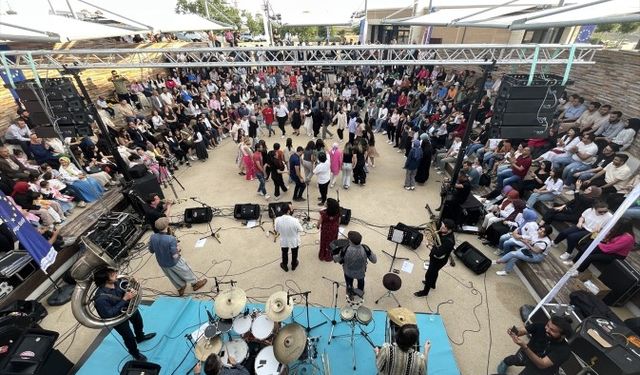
445	17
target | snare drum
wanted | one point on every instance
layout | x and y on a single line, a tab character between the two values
236	348
347	314
263	327
224	325
242	324
364	315
267	364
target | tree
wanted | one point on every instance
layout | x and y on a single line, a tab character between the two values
304	33
628	27
216	8
606	27
255	25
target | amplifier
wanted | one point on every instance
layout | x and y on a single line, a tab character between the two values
116	233
246	211
278	209
345	216
613	348
140	368
412	236
198	215
473	258
29	354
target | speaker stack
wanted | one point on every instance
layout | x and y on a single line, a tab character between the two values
525	111
64	103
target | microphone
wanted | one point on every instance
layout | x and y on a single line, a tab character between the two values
288	297
217	285
211	320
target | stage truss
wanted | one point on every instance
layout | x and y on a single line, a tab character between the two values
374	55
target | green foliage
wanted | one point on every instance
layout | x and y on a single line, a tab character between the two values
604	28
304	33
255	25
216	8
628	27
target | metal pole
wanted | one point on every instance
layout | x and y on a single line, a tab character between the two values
73	12
266	22
103	128
365	27
206	9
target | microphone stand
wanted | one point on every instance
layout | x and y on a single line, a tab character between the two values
335	287
307	219
305	295
212	233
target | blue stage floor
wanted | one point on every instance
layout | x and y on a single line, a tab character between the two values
173	318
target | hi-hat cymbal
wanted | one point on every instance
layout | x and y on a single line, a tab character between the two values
277	307
289	343
206	347
230	303
401	316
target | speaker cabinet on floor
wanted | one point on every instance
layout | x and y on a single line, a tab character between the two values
198	215
278	209
246	211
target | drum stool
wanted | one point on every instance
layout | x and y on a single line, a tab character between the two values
392	283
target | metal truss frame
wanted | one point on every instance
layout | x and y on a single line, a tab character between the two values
375	55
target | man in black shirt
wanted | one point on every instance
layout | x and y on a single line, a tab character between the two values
604	158
438	257
109	302
546	350
156	209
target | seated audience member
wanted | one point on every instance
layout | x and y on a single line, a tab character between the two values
604	157
13	168
617	245
400	357
448	156
613	176
571	211
602	116
41	152
18	134
589	224
87	189
26	199
519	168
546	350
583	155
526	229
563	145
536	178
510	207
625	137
491	155
573	111
533	250
586	119
472	173
552	188
609	129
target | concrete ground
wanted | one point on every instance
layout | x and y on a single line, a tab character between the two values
477	310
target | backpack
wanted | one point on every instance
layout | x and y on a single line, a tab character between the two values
367	250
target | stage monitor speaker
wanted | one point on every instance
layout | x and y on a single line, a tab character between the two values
622	279
473	258
345	216
246	211
146	185
278	209
518	132
140	368
412	236
29	354
198	215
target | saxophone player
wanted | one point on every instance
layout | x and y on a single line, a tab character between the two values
109	302
438	256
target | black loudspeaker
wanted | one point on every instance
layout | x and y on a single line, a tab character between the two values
80	130
619	357
146	185
138	171
523	118
246	211
140	368
278	209
473	258
29	354
518	132
623	280
197	215
345	216
412	236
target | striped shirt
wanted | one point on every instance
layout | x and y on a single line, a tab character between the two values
391	360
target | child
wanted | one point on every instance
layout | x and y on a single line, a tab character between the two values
53	208
51	193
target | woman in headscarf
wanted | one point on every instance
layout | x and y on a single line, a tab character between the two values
411	166
335	155
502	211
572	210
328	225
422	175
87	188
525	230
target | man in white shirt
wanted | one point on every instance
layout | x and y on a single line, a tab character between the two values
613	177
449	156
586	119
282	113
583	155
18	133
167	97
289	228
323	172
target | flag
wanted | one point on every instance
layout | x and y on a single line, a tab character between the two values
16	76
585	33
39	248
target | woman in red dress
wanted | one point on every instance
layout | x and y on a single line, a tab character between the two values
328	225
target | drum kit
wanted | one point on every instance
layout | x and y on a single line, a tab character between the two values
358	316
236	332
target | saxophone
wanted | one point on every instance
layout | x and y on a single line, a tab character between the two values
432	230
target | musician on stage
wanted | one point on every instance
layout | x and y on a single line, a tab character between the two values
156	208
165	246
213	366
110	301
400	358
438	257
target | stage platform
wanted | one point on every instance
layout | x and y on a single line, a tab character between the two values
173	318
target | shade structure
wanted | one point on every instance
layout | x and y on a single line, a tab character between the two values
445	17
54	28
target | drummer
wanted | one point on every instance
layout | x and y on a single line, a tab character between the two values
213	366
400	358
354	262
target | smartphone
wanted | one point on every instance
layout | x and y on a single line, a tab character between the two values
514	330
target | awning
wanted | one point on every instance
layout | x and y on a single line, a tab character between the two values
607	12
54	28
445	17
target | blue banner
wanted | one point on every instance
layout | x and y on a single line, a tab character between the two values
585	33
39	248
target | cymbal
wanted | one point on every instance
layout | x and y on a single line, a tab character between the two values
289	343
206	347
230	303
277	308
401	316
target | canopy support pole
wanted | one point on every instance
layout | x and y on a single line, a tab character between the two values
534	64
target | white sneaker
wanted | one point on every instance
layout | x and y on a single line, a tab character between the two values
267	196
277	197
574	273
497	252
384	132
261	193
502	273
494	262
565	256
282	137
568	262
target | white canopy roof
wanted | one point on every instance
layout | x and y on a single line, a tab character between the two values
54	28
444	17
